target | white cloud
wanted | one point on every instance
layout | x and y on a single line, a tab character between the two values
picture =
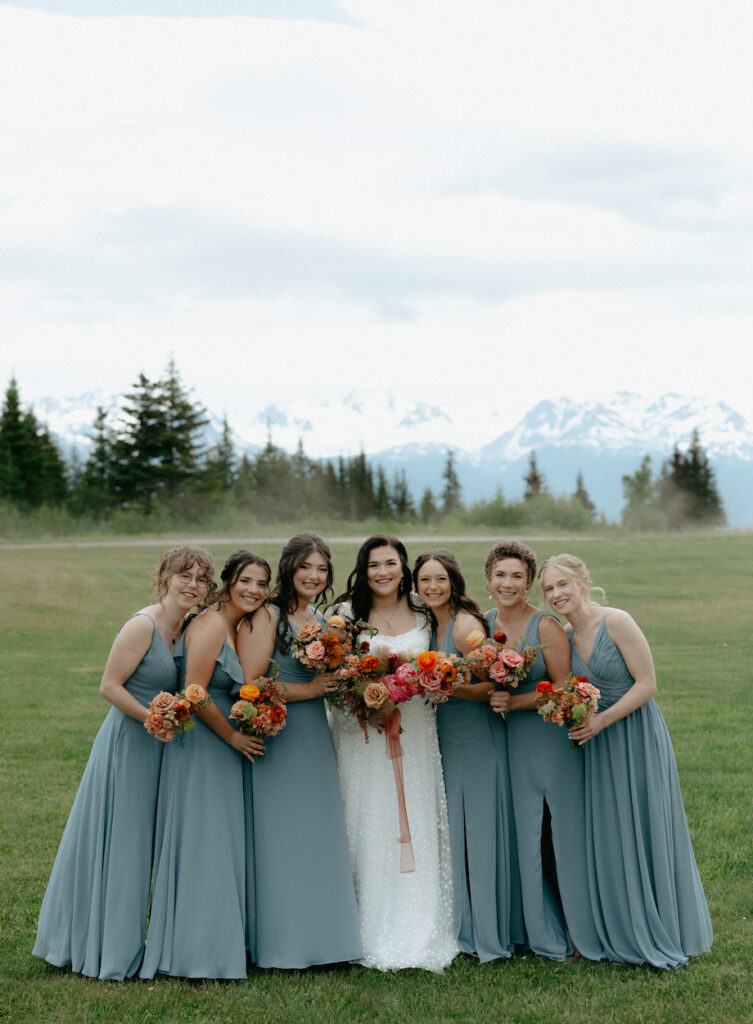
558	188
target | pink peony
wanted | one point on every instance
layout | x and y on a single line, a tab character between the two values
399	692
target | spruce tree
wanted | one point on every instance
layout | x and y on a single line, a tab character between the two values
428	507
451	492
32	471
581	495
534	481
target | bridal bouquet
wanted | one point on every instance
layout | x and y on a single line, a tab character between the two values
504	666
361	686
261	710
569	705
169	714
432	674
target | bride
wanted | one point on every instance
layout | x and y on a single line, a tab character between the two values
405	902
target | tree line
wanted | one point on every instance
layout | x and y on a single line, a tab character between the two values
150	456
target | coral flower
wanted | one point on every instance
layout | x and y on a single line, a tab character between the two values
249	692
475	637
195	693
544	686
427	661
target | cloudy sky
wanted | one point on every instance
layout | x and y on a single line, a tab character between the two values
496	200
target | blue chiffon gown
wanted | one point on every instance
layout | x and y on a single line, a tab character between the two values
645	887
302	899
545	768
488	915
94	911
198	918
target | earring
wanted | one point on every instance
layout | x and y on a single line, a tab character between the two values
400	587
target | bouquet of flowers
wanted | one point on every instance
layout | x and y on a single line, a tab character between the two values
433	674
361	686
324	648
504	666
261	710
569	705
170	713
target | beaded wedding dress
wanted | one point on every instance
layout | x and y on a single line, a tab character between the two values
406	915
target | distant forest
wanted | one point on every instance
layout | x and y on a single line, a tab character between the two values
151	465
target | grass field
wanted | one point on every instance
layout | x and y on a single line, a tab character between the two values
60	610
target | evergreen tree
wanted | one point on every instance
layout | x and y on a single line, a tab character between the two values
534	481
451	492
402	502
428	507
382	504
96	491
642	510
32	471
581	495
687	490
220	464
183	422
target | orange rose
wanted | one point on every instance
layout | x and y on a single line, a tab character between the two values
427	661
249	692
195	693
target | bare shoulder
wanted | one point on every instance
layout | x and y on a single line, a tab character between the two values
136	631
206	627
619	622
550	629
265	618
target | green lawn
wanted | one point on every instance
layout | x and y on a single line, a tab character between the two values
60	609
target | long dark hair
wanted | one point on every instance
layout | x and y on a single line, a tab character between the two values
293	555
359	593
231	572
459	600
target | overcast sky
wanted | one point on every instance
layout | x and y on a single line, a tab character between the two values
506	200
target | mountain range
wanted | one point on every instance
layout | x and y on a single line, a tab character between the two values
602	440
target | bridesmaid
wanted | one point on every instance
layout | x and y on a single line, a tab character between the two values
93	915
649	901
488	916
304	908
198	918
546	775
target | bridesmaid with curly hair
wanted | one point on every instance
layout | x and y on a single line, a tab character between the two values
94	912
197	926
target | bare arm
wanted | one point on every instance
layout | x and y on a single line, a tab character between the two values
204	642
465	624
127	651
256	647
634	648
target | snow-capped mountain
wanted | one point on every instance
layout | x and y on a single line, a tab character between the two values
601	440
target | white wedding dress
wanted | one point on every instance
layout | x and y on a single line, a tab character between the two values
406	919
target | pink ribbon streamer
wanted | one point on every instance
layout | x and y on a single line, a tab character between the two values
395	754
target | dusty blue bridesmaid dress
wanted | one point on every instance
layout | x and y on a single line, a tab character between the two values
198	918
544	768
488	918
93	915
645	887
303	908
